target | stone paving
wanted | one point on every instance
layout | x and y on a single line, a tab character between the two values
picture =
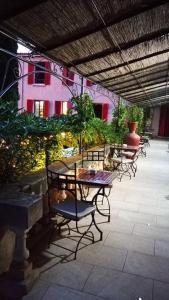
132	261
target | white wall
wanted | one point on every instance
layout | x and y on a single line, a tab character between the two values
155	120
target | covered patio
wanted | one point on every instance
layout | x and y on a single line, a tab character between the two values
123	46
132	262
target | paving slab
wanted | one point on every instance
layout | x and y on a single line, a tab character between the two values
162	248
161	291
71	274
38	291
130	242
61	293
103	256
154	210
148	266
116	285
163	221
119	225
138	217
124	205
151	231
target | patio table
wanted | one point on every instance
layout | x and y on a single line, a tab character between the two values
97	178
123	147
140	148
101	179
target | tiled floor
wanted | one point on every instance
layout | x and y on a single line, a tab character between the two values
132	261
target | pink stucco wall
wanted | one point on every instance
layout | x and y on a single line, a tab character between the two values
56	91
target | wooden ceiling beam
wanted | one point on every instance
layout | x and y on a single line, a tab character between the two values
153	99
163	102
131	91
140	98
133	11
152	95
154	89
127	63
158	99
154	66
136	88
138	77
141	83
17	8
123	46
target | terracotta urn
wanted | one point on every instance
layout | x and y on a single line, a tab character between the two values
132	137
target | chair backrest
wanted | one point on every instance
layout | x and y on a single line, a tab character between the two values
114	152
93	158
62	182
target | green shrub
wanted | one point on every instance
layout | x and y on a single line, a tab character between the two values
23	141
119	122
28	141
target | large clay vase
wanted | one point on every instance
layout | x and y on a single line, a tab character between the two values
132	137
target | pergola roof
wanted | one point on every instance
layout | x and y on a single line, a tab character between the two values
122	45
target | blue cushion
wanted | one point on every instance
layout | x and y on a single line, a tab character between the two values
67	209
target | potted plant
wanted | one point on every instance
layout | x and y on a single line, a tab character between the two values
135	117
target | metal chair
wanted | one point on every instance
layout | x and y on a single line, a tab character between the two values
142	150
125	163
95	159
68	203
145	140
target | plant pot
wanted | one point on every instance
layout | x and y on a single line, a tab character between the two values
132	137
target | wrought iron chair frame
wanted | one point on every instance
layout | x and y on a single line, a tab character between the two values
93	156
124	163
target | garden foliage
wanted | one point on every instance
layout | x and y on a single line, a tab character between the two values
28	141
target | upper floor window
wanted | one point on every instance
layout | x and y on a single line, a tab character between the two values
89	83
68	77
39	75
36	74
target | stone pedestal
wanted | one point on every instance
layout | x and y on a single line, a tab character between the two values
11	285
20	212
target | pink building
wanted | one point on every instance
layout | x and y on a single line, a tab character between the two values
45	95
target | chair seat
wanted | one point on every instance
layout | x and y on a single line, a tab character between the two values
122	160
128	153
67	209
